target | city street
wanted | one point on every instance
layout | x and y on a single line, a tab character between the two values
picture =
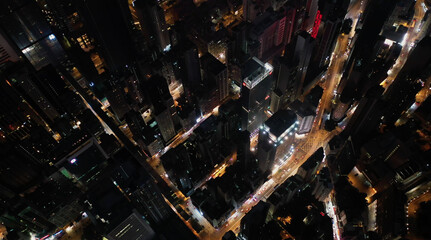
304	147
413	35
204	108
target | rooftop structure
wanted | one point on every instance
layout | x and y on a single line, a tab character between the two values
255	71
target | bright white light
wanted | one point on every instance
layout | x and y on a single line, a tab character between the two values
69	229
404	40
424	7
167	48
268	66
28	49
388	42
51	37
72	161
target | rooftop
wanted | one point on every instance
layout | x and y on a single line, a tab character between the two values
211	64
254	71
280	122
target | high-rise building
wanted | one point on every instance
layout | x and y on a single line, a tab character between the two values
146	136
256	85
276	136
24	80
163	104
15	111
215	71
45	204
300	57
7	52
390	213
230	118
117	101
326	43
323	185
253	8
311	11
152	17
165	122
290	23
85	163
238	42
149	199
109	24
133	227
242	140
268	31
166	67
276	100
19	170
66	20
27	28
192	73
284	88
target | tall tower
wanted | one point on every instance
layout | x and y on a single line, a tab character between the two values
303	49
164	107
152	17
19	170
311	11
257	81
7	53
275	138
109	24
27	28
192	76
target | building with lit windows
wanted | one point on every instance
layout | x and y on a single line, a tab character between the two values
27	28
133	227
256	84
276	137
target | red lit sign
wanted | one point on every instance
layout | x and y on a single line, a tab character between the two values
243	83
317	21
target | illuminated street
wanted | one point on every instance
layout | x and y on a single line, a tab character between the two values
413	34
304	147
210	120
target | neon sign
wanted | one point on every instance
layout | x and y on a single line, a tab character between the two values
317	21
